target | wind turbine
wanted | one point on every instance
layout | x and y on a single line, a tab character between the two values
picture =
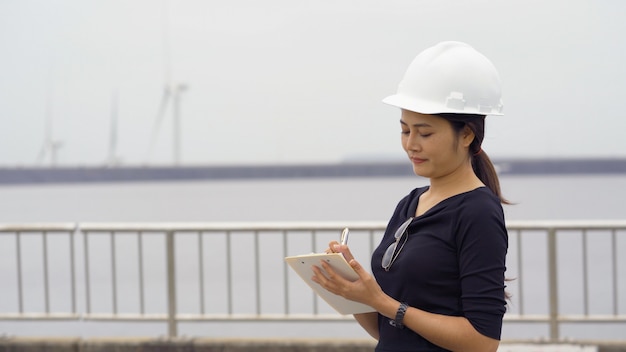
171	96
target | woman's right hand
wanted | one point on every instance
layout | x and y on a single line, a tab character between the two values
365	290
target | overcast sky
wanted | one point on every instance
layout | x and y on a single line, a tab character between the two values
288	81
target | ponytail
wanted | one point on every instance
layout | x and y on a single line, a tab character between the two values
486	172
482	165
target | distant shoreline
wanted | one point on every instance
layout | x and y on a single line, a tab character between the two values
46	175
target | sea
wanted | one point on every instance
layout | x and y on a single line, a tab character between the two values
534	196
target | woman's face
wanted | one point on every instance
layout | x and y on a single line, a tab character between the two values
432	145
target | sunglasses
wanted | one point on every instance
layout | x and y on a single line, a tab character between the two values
391	254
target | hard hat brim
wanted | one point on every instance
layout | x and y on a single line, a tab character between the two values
430	108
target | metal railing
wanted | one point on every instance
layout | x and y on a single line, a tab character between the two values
221	266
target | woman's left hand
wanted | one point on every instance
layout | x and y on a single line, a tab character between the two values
365	290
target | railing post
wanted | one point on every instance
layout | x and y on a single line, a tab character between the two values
171	285
553	285
20	288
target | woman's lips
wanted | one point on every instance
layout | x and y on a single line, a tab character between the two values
415	160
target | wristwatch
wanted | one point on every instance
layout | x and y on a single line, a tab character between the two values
397	322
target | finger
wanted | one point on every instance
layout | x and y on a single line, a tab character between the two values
325	278
330	273
331	246
345	250
356	266
318	276
325	275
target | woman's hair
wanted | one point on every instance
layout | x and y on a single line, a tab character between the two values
482	165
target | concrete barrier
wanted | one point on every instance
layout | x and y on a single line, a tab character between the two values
22	344
180	345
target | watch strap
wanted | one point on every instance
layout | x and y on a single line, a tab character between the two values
398	321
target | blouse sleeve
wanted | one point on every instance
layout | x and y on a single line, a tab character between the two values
482	244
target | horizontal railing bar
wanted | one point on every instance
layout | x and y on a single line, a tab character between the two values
538	318
130	317
293	226
264	317
592	318
574	318
530	318
566	224
39	227
219	317
230	226
39	316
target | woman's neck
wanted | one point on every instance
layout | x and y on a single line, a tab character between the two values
461	180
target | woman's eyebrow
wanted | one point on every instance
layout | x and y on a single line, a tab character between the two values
423	124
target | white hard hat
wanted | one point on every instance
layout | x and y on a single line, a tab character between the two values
450	77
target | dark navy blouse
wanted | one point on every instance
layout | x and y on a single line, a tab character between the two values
452	263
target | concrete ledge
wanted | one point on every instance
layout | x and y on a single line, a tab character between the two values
53	344
21	344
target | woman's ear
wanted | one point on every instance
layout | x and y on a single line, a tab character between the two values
467	136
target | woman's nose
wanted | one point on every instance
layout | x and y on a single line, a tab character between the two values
412	143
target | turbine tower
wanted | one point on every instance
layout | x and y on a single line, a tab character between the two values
171	96
112	159
50	147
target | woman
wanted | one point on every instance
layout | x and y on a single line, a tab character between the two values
438	271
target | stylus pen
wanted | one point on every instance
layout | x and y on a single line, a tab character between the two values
344	236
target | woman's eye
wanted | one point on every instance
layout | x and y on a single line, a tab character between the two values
405	132
424	135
